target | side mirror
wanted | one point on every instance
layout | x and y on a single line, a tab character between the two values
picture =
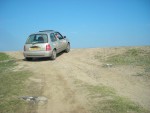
64	36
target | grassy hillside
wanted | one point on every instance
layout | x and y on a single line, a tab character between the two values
11	86
110	102
133	57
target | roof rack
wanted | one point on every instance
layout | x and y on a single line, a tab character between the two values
46	31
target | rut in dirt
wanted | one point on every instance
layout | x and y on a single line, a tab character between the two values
57	87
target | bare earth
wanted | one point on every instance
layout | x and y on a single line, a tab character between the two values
56	79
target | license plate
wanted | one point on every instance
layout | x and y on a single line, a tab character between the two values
34	49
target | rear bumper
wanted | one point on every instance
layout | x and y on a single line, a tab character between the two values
37	54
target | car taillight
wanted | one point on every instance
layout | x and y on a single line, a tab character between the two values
24	48
48	47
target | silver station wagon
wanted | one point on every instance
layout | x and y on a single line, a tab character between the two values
45	43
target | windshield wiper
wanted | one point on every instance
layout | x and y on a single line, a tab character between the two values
35	42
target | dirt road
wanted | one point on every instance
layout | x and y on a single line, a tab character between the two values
56	79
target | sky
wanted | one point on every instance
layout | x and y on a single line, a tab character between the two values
87	23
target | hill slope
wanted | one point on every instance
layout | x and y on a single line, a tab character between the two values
76	82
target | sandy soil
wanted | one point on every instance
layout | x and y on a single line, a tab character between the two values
57	78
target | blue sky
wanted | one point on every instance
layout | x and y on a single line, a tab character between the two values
87	23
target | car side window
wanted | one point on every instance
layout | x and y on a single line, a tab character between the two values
59	36
53	38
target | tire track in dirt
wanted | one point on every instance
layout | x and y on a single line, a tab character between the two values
54	83
62	98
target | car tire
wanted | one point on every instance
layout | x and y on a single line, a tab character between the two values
68	48
53	57
28	59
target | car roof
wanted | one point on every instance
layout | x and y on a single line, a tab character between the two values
45	31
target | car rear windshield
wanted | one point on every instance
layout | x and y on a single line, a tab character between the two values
37	38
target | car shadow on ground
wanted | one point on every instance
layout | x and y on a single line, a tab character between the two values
44	59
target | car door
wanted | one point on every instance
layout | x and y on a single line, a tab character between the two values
54	41
62	41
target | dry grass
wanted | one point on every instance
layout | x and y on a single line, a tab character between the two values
11	86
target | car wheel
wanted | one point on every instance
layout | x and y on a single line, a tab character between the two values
68	48
53	57
28	59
